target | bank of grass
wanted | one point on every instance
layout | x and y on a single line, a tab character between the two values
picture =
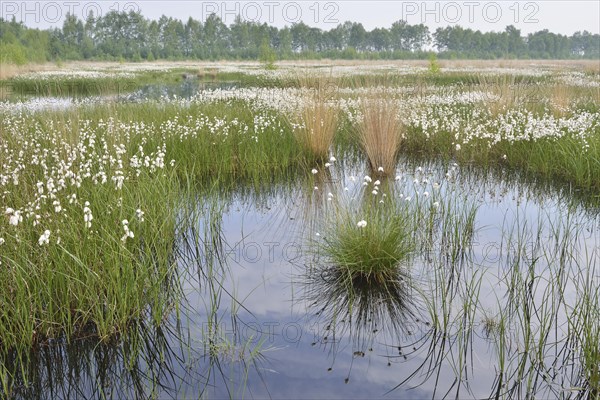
96	281
221	141
563	160
104	84
90	281
567	159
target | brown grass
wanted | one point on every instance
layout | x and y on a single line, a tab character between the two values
380	133
561	95
509	90
316	123
8	71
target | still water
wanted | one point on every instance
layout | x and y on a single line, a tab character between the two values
484	316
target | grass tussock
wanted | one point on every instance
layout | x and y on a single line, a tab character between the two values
317	121
380	133
370	249
362	282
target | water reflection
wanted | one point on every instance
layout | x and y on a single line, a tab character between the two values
184	90
361	307
497	310
135	366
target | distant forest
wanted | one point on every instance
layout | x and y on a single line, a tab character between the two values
131	37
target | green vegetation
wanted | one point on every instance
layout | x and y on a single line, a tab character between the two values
92	83
109	209
129	36
370	249
434	65
566	159
267	56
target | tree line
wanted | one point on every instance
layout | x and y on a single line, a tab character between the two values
129	36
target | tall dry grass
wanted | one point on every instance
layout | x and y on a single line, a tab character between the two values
507	91
380	133
561	97
317	120
8	71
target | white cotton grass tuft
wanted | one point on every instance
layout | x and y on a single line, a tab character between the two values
362	223
44	238
128	233
87	215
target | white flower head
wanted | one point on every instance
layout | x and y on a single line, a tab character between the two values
362	223
140	215
380	169
15	218
45	238
314	171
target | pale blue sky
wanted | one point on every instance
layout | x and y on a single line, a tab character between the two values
558	16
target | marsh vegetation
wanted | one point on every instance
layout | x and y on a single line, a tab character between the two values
362	232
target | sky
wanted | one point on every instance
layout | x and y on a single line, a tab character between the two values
564	17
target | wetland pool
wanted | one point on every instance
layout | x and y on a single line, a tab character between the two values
487	311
